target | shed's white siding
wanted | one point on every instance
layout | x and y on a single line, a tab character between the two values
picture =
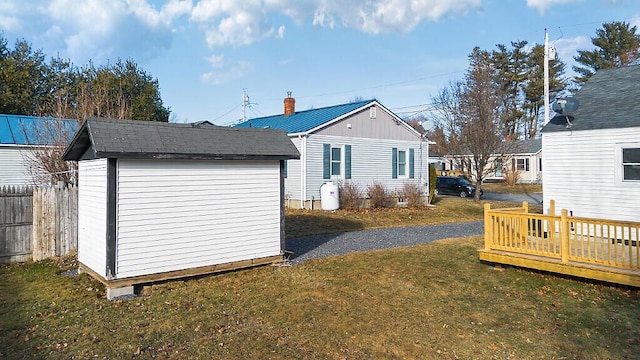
92	214
583	173
13	167
181	214
370	161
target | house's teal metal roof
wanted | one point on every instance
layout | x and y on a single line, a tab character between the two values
303	121
33	130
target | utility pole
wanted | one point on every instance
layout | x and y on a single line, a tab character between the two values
245	102
546	77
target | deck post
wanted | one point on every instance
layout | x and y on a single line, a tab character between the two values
524	226
564	236
487	227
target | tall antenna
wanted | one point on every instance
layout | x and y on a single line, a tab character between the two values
245	102
546	77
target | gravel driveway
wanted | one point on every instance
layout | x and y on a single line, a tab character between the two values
316	246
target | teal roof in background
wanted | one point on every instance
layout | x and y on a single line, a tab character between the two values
303	121
32	130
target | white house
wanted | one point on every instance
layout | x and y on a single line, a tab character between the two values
362	142
20	136
523	156
591	164
159	200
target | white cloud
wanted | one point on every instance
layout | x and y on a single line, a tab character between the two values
568	48
543	5
229	72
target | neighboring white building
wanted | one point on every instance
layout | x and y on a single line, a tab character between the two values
523	156
19	136
362	142
592	157
159	200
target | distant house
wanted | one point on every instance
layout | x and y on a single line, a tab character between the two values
362	142
160	200
523	156
592	157
19	137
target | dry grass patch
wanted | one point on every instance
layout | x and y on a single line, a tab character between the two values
433	301
447	209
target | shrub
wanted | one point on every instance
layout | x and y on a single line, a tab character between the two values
380	196
350	195
412	193
433	177
510	176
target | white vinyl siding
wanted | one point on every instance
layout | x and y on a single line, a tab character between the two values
292	184
92	214
370	161
13	167
583	173
175	215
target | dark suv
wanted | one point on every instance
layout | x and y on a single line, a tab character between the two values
459	186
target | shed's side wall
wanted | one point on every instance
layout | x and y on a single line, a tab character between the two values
92	214
13	168
583	173
175	215
371	161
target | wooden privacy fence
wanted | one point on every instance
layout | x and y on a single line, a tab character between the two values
37	223
600	249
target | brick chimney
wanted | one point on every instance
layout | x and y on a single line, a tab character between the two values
289	104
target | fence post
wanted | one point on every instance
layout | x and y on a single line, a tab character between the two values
564	236
488	233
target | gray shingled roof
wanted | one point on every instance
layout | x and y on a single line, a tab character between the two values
109	138
609	100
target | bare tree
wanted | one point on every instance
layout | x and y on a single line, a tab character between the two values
468	114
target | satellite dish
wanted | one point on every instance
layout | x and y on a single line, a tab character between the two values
427	125
565	105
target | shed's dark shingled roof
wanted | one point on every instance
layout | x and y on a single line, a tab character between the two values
109	138
609	99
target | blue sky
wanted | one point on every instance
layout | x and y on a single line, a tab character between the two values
327	52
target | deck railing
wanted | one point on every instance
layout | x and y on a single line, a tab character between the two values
565	238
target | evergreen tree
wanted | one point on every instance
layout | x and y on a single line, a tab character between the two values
617	45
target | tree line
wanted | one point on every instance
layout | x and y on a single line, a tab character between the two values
500	97
31	85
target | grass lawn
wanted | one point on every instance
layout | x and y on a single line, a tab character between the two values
433	301
515	189
447	209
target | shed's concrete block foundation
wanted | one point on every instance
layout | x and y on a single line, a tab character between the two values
121	291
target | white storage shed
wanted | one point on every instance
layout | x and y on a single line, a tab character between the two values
159	201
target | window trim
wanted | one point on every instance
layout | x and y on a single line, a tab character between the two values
620	164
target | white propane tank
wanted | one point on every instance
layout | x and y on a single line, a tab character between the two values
329	197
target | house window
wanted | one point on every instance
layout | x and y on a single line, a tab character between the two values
522	164
373	112
631	163
402	163
498	169
336	161
539	164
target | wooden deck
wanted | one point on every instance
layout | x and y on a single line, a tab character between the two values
598	249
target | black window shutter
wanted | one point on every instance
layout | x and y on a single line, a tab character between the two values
326	161
394	163
347	161
412	173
